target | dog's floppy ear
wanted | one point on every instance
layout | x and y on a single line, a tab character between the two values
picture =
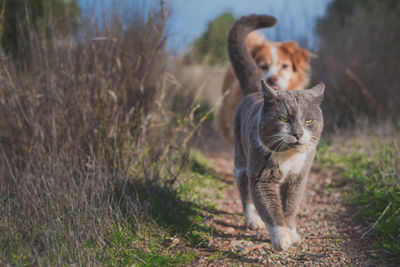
260	51
256	49
300	56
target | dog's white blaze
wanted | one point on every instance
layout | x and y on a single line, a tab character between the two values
274	53
273	70
284	79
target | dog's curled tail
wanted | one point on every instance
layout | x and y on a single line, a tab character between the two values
245	68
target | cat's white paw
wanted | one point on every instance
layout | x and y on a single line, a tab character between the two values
281	238
295	236
252	220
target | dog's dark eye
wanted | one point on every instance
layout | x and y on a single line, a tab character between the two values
264	67
284	66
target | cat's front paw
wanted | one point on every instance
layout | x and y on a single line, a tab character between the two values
295	236
252	220
281	238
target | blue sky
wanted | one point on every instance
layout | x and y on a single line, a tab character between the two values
189	18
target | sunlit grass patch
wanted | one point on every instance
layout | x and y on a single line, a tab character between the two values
370	175
202	185
146	249
177	212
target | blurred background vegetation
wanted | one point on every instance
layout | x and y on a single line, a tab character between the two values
210	47
20	17
358	55
97	120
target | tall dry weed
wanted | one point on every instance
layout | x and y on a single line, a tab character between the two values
86	122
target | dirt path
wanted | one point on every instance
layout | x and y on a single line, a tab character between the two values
330	233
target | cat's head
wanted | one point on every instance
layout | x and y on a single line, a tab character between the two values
291	121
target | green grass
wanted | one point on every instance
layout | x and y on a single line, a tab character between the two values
369	172
217	255
176	213
127	248
202	185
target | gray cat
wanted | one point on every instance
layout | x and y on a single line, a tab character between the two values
276	133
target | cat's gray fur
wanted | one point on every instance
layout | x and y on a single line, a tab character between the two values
272	157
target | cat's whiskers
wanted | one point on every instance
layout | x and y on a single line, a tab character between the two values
276	135
273	139
282	147
267	148
279	139
318	141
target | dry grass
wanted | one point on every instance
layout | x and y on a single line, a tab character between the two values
89	134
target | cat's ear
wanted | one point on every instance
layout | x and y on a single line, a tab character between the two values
317	92
268	92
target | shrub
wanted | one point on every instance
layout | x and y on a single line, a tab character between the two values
23	16
358	56
211	46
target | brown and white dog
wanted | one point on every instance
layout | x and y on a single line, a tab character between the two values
285	66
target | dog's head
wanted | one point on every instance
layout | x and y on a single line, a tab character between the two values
285	65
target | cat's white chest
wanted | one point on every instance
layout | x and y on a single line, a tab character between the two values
290	164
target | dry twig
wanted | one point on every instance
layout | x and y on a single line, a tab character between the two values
376	222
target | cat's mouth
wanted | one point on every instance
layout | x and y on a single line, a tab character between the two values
286	145
297	143
294	144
